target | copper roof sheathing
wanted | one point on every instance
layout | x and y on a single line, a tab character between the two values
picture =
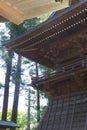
7	124
56	41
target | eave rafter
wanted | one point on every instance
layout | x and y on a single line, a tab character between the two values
57	40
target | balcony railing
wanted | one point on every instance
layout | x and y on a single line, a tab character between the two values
79	64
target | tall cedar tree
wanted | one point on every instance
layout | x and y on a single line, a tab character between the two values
16	94
38	96
16	31
6	86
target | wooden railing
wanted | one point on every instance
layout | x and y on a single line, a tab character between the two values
79	64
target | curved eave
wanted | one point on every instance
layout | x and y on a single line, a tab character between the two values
69	24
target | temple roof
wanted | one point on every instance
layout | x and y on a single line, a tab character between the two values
19	10
7	124
58	41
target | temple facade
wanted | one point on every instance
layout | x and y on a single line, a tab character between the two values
60	43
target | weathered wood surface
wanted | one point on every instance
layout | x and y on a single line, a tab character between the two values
66	80
19	10
66	113
57	41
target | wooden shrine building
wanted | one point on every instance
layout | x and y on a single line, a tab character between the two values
61	44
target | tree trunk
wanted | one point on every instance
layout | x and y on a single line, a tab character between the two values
16	93
6	89
38	97
28	124
38	106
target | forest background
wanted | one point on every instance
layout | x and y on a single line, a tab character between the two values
16	72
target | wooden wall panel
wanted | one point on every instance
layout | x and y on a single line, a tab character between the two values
66	113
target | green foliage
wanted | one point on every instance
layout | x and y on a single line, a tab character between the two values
34	127
15	31
42	110
44	17
21	120
44	70
59	1
26	61
31	23
1	85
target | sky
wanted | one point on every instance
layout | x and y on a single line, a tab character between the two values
23	95
22	98
2	26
